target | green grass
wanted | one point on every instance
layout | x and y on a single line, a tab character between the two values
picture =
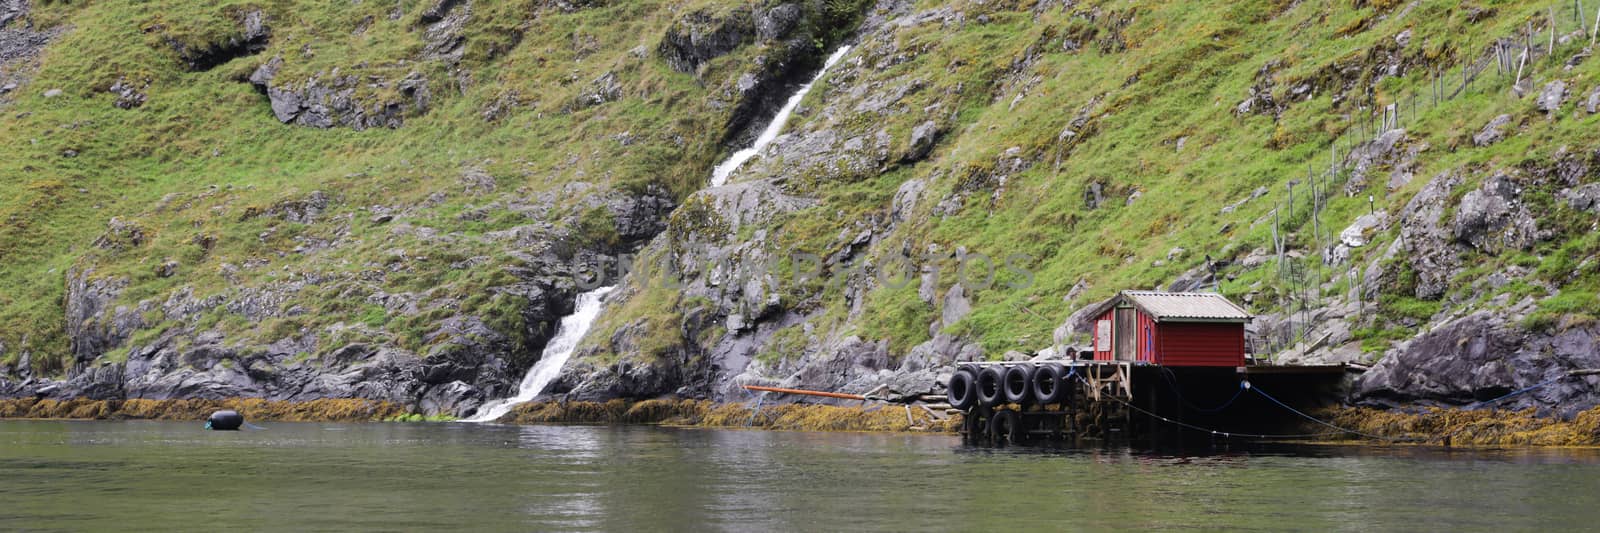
204	160
204	170
1185	67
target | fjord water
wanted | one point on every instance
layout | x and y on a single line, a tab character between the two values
135	475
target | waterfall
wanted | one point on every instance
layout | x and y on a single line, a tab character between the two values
720	175
575	325
556	353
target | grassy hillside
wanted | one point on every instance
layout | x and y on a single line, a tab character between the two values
201	174
1098	143
1172	115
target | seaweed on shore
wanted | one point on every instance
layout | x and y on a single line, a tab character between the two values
1457	427
704	413
323	410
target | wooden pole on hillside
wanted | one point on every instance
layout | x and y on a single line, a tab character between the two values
1552	49
1595	31
1277	242
1522	63
1316	229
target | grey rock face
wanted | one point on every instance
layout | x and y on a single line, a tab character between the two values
467	361
129	95
1585	198
923	139
1484	356
1491	218
12	10
1432	253
443	35
778	22
437	10
1553	95
601	90
700	37
93	327
332	100
1356	235
640	217
19	46
1390	150
1492	132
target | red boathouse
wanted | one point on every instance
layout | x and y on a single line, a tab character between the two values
1170	328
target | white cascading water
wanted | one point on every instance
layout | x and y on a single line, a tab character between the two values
575	325
720	175
556	353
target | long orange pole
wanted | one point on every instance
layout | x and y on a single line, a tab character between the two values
839	395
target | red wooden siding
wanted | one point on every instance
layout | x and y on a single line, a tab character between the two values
1200	344
1148	338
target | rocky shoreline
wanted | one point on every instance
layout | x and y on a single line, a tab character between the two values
671	412
1477	428
1426	427
324	410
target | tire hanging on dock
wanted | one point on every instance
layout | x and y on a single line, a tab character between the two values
990	383
1018	384
1048	385
962	391
974	427
1007	426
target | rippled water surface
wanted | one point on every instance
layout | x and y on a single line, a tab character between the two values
165	475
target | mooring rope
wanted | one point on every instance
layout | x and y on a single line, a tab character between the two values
1524	390
1246	385
1451	435
1214	432
1318	420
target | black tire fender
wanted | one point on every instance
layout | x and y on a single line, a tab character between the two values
1007	426
962	391
1018	384
990	383
1048	384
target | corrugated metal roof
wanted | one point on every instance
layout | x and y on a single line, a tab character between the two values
1180	306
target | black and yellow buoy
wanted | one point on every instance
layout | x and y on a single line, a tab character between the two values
225	420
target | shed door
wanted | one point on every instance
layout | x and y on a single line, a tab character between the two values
1127	330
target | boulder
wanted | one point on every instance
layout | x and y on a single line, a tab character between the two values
1553	95
923	138
1491	218
1358	233
1585	198
1485	356
1492	132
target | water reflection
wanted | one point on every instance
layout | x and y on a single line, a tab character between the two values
149	475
